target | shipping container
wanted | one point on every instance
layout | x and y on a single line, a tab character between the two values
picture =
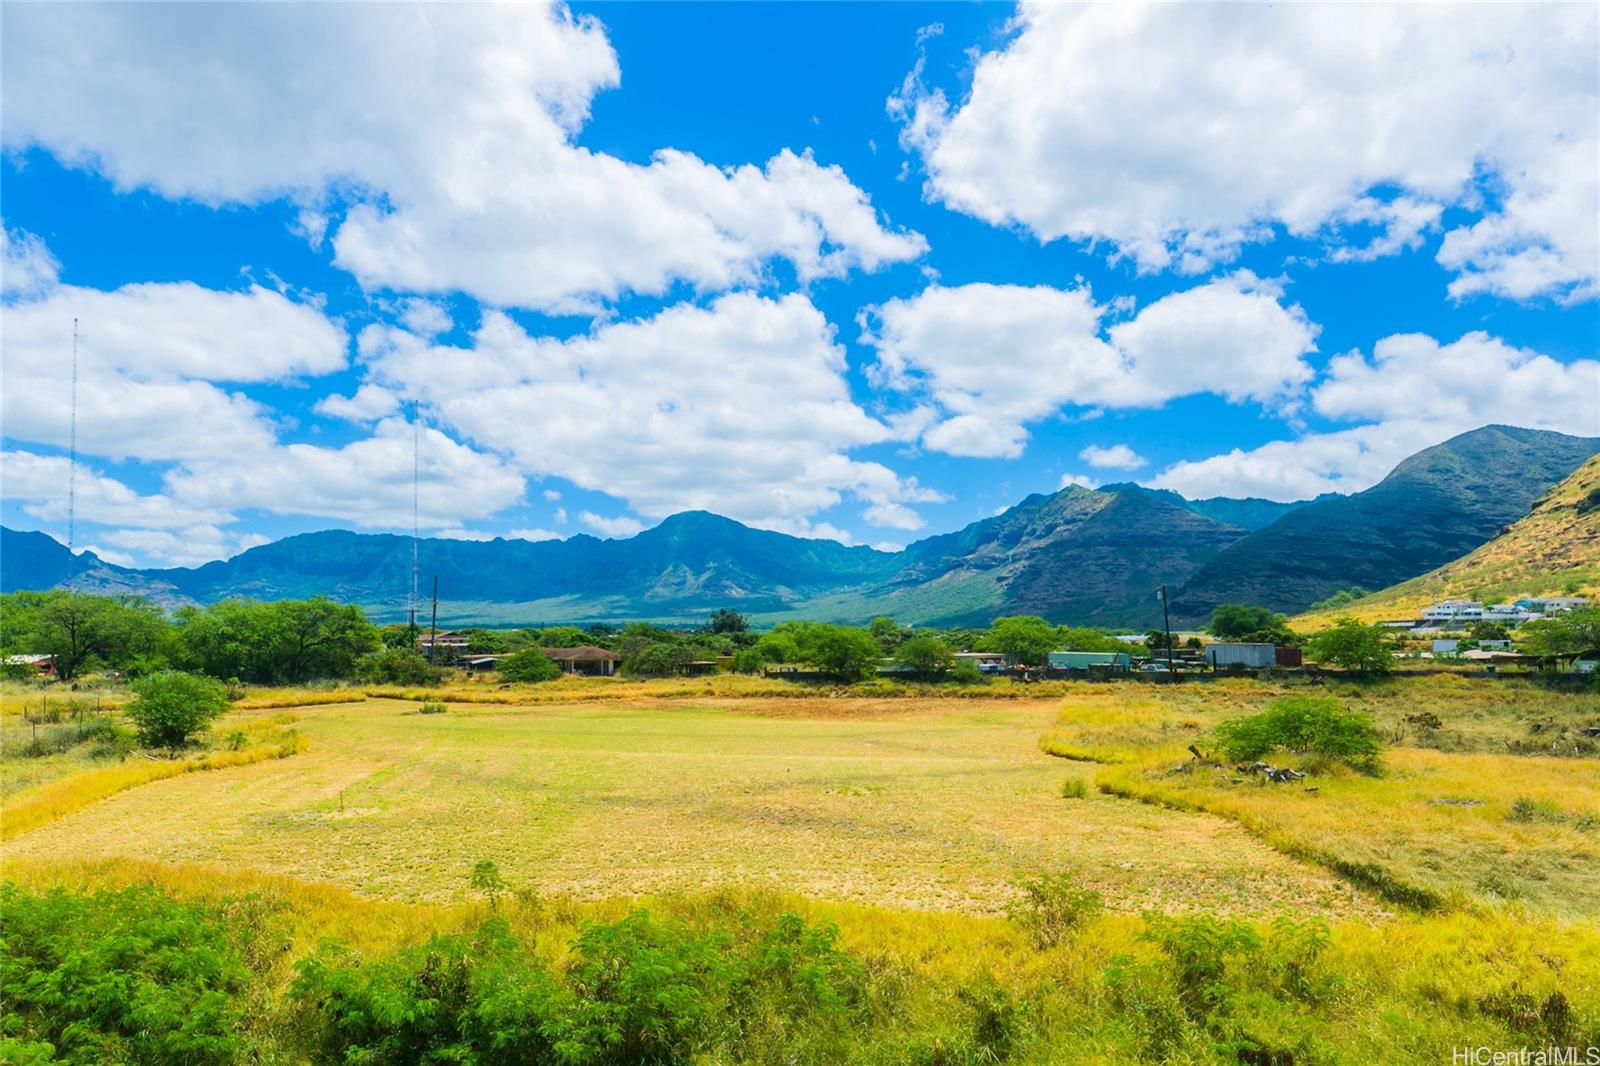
1250	656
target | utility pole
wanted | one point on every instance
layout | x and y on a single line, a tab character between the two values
433	627
1166	625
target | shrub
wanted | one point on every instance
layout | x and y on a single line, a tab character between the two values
528	665
170	707
639	990
398	666
126	976
486	879
432	707
1307	725
1053	907
1073	788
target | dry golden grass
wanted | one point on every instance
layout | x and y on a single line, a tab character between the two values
1435	827
937	805
31	809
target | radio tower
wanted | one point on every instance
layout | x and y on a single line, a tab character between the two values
416	437
72	463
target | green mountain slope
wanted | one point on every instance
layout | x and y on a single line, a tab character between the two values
1554	550
1080	555
1434	507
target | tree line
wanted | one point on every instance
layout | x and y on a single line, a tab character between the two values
285	642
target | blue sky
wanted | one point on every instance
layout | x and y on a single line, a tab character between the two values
862	271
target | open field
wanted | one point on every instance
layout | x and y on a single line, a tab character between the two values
931	805
1459	881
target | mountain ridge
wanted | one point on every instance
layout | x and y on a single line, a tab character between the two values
1088	556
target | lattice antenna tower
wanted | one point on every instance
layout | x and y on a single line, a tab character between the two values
416	468
72	465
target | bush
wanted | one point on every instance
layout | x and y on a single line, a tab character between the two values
128	976
432	707
1306	725
1053	907
528	665
638	990
398	666
170	707
658	660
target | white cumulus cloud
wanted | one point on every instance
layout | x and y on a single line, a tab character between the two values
1179	132
985	360
1115	457
1412	393
434	146
739	408
612	526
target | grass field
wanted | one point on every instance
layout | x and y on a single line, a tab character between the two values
1459	876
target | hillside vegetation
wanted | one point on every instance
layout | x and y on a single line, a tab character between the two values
1435	507
1554	550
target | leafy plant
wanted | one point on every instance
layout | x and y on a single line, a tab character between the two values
1305	725
170	707
486	879
1053	907
528	665
126	976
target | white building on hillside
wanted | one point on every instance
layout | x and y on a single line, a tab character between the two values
1456	611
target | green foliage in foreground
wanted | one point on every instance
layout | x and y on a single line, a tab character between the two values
1304	725
134	976
125	976
638	990
170	707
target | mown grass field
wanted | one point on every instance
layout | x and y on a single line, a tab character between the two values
1460	880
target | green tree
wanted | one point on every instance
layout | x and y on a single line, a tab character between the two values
926	656
840	652
398	666
170	707
486	642
277	643
1025	639
1083	638
727	620
564	637
1489	631
1252	625
778	646
887	632
1569	633
657	659
528	665
83	631
1353	646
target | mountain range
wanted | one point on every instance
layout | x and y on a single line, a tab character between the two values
1553	550
1087	556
